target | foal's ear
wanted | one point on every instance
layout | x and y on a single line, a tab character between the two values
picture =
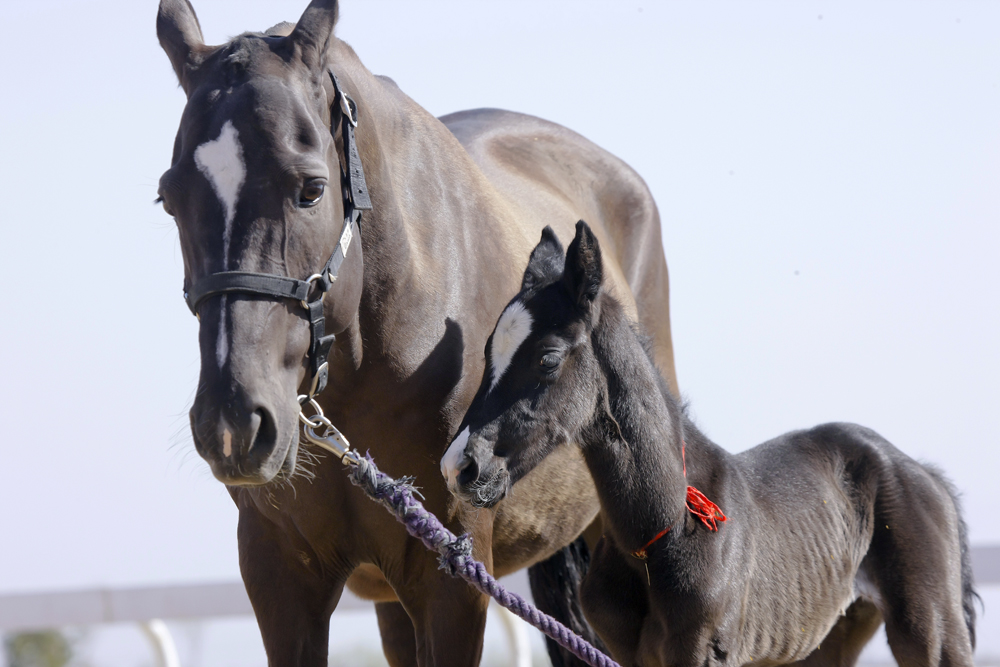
179	33
546	262
313	31
583	270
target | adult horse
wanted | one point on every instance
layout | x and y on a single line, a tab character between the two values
456	206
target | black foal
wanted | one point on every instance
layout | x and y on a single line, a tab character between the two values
817	537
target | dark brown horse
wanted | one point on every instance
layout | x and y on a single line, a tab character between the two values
254	186
830	531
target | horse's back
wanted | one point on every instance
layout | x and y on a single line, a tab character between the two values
550	175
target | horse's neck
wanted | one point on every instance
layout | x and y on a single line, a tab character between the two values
636	461
425	189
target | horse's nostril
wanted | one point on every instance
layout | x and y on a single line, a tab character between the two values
267	432
469	473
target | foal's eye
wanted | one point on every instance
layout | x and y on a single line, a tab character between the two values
549	361
312	191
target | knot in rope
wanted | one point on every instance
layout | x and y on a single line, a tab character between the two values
454	555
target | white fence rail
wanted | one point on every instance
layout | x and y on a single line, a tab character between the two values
147	606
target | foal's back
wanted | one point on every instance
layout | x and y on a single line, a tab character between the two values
837	513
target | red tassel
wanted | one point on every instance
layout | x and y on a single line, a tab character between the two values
704	509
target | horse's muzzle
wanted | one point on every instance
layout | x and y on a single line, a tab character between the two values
242	447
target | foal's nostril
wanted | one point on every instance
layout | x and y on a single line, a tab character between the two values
468	474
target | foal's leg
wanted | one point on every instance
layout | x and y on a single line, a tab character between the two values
847	638
615	602
915	560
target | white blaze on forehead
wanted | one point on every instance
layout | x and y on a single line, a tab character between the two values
452	457
512	329
221	161
222	342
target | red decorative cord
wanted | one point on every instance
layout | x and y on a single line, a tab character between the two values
704	509
708	512
641	553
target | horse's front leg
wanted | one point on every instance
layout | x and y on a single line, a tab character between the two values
292	596
399	642
449	619
448	616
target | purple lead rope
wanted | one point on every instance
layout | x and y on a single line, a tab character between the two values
455	554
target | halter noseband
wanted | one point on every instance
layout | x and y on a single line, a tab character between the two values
356	199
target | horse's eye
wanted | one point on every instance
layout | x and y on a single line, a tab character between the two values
549	361
312	191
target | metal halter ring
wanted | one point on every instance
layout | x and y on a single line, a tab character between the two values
312	279
320	418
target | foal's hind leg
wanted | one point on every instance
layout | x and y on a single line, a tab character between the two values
915	561
847	638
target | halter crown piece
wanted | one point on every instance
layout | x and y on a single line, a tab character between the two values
356	200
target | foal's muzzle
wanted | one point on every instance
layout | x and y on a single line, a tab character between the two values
473	473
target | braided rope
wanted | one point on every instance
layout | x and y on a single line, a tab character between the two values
455	554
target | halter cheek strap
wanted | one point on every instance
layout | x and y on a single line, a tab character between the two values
356	199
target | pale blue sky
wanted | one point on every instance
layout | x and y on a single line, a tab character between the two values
828	175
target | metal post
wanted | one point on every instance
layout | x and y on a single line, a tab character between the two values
517	637
163	644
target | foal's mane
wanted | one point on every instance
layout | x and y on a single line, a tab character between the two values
646	343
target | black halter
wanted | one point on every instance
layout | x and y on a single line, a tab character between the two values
356	199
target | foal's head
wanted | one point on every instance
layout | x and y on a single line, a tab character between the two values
254	185
542	384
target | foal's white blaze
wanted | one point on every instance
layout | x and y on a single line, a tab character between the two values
452	457
512	329
221	161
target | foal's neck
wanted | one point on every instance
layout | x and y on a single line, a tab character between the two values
636	460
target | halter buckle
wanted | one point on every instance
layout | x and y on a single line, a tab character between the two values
349	113
316	377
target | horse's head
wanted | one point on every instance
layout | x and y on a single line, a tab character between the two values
540	385
255	186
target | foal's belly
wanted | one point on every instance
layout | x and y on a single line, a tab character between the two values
788	609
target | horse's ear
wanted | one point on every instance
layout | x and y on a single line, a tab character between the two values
313	31
583	272
546	262
179	33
